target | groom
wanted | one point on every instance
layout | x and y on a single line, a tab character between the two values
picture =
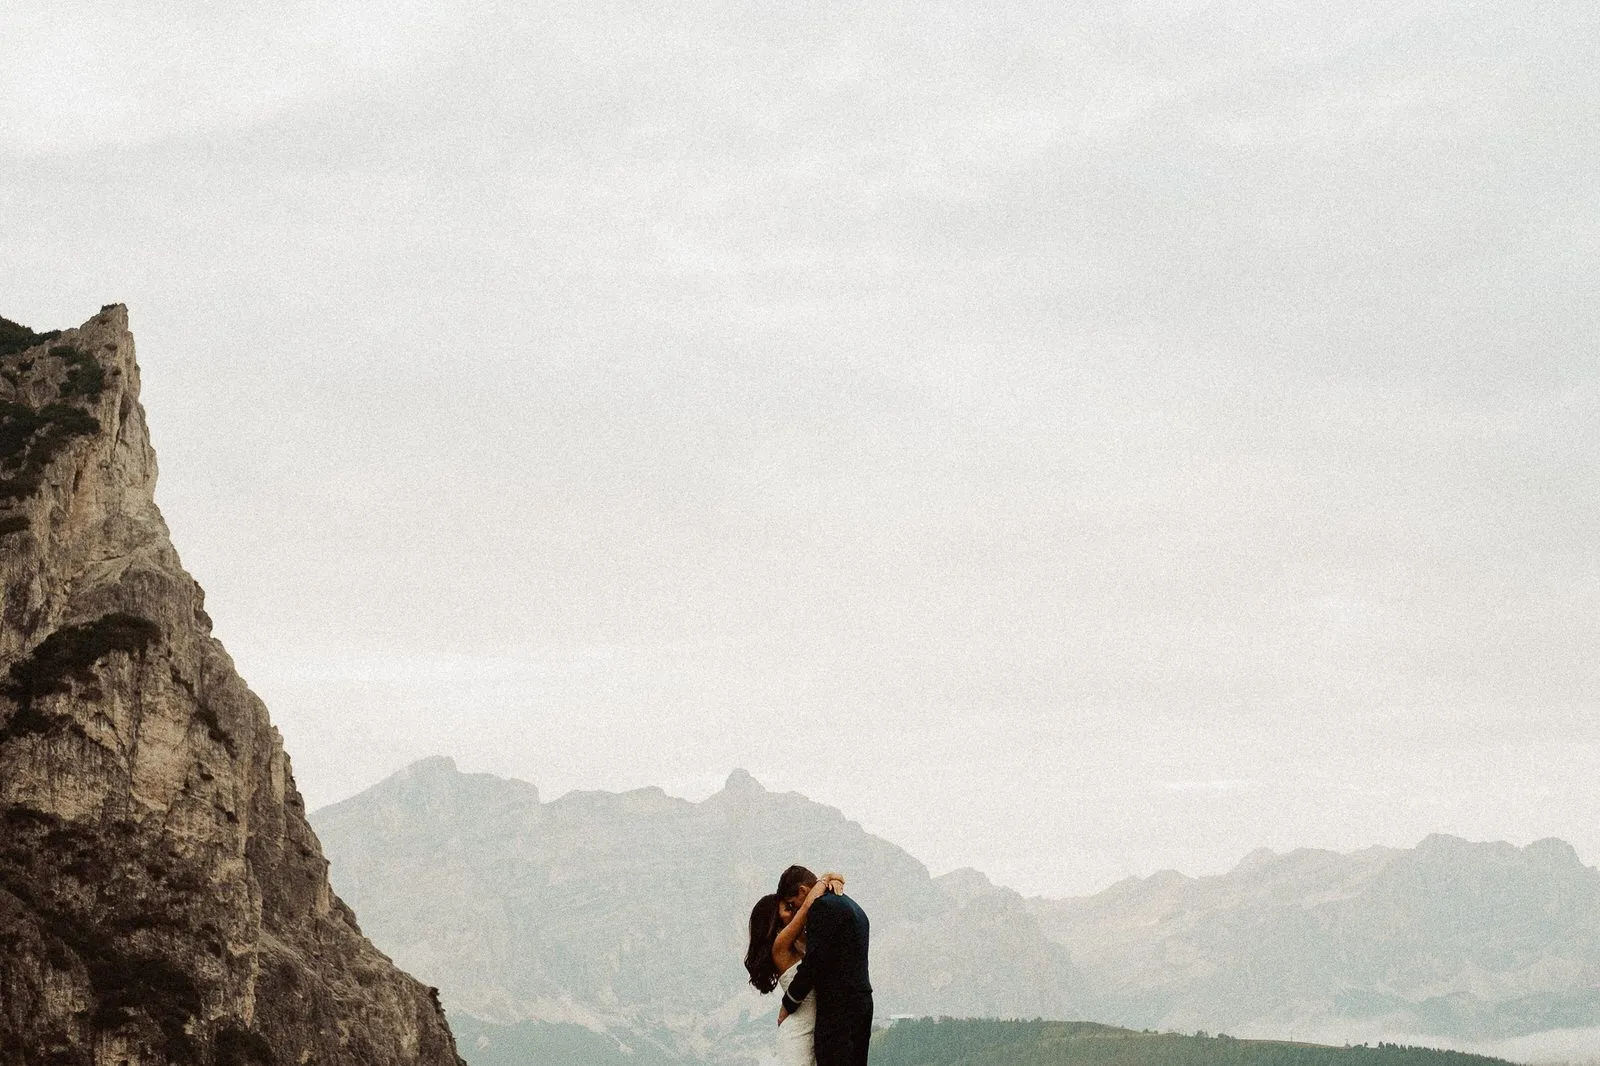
835	965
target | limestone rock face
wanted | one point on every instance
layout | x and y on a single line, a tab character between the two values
162	898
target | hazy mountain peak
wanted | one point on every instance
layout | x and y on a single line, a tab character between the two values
1257	859
1550	851
1447	848
965	884
741	781
1555	851
434	766
651	799
436	788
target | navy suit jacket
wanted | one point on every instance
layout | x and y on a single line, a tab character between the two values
835	962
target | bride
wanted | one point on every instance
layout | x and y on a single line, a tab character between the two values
777	944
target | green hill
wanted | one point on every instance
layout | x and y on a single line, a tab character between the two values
982	1042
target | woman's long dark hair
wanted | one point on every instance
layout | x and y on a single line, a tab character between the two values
763	930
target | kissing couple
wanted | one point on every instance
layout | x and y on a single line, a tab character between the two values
810	939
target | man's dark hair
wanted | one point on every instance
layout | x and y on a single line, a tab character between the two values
795	879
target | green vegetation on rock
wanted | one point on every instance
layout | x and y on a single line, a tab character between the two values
32	437
65	656
85	376
15	337
70	651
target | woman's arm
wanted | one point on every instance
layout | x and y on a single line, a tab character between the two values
783	943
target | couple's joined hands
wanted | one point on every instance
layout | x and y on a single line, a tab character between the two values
829	882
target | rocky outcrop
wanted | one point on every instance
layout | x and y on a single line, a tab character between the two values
162	897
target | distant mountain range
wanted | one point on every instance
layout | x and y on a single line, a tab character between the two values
610	927
1451	938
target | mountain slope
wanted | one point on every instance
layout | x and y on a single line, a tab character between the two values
162	898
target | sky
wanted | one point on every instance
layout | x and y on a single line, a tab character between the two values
1073	439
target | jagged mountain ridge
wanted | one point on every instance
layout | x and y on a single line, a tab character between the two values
1451	939
162	897
627	913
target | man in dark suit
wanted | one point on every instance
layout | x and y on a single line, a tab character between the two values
835	966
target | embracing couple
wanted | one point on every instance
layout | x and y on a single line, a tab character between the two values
810	939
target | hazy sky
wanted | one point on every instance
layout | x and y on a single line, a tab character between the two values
1074	439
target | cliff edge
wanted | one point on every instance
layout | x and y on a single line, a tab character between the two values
162	898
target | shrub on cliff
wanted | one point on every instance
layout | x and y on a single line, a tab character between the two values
15	337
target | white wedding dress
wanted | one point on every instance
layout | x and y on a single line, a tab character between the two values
794	1035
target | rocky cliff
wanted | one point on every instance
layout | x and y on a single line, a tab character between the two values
162	898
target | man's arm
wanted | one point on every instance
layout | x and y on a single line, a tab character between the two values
822	945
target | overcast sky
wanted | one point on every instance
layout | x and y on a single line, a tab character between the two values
1074	439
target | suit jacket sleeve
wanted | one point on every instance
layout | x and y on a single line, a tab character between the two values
823	936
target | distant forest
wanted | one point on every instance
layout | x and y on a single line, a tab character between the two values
983	1042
